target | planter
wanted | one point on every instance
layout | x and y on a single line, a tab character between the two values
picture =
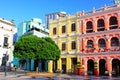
96	73
79	71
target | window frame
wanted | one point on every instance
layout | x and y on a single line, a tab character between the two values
63	46
73	45
63	28
54	31
73	27
5	43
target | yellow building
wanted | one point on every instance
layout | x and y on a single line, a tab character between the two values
65	32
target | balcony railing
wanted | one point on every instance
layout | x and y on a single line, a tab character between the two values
100	53
102	32
104	49
88	50
102	9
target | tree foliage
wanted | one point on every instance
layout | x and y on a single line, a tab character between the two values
49	50
33	47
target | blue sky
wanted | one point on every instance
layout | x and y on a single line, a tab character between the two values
24	10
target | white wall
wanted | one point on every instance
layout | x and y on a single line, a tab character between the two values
6	29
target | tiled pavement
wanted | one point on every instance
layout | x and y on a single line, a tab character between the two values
21	75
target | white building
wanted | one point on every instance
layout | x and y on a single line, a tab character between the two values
6	39
53	16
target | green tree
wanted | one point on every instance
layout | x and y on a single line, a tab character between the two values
33	47
49	50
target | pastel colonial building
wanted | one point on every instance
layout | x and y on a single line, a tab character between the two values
100	40
93	38
6	40
65	32
32	27
53	16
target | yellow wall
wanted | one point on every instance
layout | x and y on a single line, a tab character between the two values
67	37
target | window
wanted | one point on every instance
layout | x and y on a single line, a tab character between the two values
5	44
73	27
63	29
54	31
90	44
63	46
73	45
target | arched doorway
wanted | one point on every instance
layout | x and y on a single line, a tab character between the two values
113	22
114	42
90	44
90	67
116	67
100	25
102	45
89	27
102	67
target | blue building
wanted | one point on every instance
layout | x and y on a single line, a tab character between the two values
32	27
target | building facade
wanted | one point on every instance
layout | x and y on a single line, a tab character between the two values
6	41
95	41
32	27
53	16
100	40
64	31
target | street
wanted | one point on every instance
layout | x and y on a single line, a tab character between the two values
21	75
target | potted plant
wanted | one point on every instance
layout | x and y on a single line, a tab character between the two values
96	69
79	68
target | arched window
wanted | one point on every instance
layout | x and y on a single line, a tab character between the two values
100	25
101	43
114	42
113	22
90	44
89	27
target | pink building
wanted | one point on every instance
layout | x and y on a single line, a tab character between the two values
100	40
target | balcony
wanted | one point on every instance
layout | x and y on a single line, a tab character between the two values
117	53
100	32
102	51
89	50
113	49
89	30
115	26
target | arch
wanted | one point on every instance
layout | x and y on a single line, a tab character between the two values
116	67
89	27
114	42
90	44
22	63
100	25
90	67
102	67
101	43
113	22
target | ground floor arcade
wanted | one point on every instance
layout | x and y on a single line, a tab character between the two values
31	65
104	64
66	64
